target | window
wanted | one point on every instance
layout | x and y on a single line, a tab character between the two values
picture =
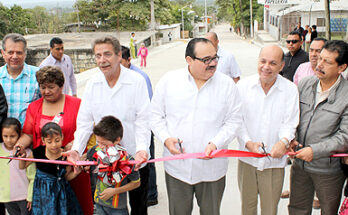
320	22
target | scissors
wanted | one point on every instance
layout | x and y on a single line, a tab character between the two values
264	150
16	153
180	146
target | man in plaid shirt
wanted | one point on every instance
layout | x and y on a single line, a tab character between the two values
16	77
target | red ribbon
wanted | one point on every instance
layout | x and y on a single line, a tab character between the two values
121	165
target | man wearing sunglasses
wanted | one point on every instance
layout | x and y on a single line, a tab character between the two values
295	56
195	109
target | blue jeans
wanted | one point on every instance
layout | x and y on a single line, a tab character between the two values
102	210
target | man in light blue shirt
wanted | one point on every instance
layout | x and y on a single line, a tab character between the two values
152	187
16	77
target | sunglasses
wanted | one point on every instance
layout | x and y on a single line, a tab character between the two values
291	41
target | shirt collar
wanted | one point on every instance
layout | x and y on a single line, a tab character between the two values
190	77
123	79
333	87
25	71
276	85
54	60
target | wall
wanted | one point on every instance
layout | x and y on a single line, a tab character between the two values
82	59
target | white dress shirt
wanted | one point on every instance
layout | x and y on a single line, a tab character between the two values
267	118
68	71
128	100
227	64
196	116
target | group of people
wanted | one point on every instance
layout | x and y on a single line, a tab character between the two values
33	97
199	108
308	34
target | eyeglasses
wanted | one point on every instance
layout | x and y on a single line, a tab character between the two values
291	41
106	55
207	60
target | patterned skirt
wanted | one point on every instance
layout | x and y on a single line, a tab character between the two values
53	195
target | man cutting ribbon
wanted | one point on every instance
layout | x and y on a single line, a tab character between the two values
202	108
270	115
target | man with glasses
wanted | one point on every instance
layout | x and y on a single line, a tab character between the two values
270	108
322	132
227	63
122	93
16	77
307	69
295	56
195	109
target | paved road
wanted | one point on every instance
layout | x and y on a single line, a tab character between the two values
171	56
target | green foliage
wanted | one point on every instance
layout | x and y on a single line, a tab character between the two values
237	12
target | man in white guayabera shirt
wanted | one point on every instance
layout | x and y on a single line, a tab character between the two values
120	92
195	109
270	110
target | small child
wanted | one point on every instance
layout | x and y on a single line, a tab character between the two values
52	192
16	185
143	52
111	192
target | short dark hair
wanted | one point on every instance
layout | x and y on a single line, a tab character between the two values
12	123
15	38
296	33
190	48
109	128
55	40
125	52
320	39
50	129
108	40
50	74
314	27
341	48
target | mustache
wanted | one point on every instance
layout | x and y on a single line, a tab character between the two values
104	64
210	67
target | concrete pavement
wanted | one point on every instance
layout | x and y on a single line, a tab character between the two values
172	56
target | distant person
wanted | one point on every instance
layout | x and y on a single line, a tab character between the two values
143	52
227	63
132	45
295	56
308	68
299	29
170	36
16	77
308	39
152	193
63	61
314	32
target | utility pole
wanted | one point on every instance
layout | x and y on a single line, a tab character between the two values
327	20
251	20
152	4
205	16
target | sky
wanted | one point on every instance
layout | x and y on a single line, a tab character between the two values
33	3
